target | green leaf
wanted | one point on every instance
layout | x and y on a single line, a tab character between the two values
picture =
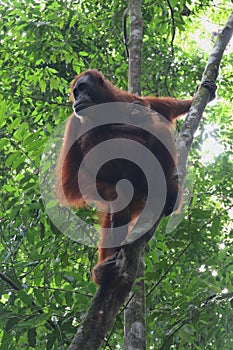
30	138
4	142
73	21
39	296
31	334
21	131
24	297
11	323
34	321
42	84
216	225
14	158
83	53
162	246
3	109
51	340
54	83
36	144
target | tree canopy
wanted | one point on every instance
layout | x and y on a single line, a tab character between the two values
45	277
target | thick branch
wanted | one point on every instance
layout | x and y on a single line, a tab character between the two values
9	281
202	97
109	299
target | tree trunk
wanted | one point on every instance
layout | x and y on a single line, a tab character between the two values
134	315
135	46
135	323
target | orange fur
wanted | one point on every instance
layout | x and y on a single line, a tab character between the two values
100	90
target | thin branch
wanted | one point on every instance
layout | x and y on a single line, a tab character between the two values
171	57
185	249
203	306
170	268
9	281
124	29
5	278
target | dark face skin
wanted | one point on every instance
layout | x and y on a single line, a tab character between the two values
87	92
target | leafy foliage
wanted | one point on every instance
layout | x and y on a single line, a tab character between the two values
45	277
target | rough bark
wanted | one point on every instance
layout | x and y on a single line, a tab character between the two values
135	323
134	313
135	46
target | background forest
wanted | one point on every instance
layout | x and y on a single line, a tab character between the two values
45	277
